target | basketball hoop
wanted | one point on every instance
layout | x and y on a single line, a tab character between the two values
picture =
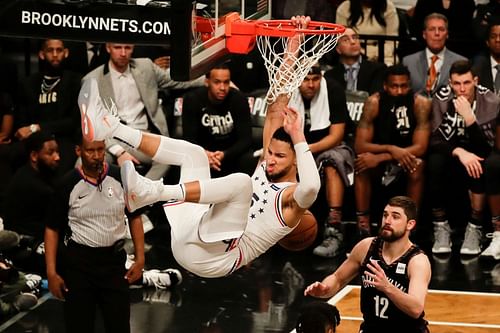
288	52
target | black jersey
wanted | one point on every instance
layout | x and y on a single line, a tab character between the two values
379	313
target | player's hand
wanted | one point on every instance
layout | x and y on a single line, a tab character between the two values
365	161
317	289
126	156
471	162
463	108
292	123
213	160
134	272
406	160
57	286
377	277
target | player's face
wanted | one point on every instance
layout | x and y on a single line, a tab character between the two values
310	86
280	159
53	52
218	84
48	157
120	55
92	154
349	45
464	85
397	85
493	41
435	34
394	224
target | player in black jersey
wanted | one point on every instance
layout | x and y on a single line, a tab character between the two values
395	274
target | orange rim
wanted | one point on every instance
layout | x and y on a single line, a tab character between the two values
285	28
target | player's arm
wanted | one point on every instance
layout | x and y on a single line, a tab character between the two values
296	199
419	273
365	129
333	139
334	282
421	135
137	233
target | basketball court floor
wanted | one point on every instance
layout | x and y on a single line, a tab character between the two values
464	296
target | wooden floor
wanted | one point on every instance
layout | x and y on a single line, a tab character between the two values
446	311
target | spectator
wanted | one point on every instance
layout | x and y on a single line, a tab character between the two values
371	17
217	118
429	68
391	140
492	178
32	186
459	14
485	14
88	211
463	123
321	103
48	101
353	71
131	86
487	66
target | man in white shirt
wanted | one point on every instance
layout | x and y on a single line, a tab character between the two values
130	87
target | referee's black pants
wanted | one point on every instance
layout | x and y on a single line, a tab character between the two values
95	281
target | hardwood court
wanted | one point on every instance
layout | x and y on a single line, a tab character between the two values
446	311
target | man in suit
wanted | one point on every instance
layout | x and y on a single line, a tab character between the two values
429	68
130	87
486	65
353	72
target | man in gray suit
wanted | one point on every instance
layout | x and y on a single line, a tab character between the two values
130	87
429	68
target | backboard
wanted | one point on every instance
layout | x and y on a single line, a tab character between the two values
208	28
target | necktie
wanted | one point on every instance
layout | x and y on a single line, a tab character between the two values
497	79
351	84
431	80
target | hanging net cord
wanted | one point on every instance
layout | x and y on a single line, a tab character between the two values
288	64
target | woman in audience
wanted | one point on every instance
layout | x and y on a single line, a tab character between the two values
371	17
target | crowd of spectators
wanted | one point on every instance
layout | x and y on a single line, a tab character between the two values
419	111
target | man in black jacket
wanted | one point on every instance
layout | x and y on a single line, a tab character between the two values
463	124
48	101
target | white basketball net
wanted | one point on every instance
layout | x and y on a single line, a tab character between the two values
287	69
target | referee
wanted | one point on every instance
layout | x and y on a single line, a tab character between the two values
89	272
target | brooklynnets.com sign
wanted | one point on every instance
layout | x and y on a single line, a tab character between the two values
91	21
95	24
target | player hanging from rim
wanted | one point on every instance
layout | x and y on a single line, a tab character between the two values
218	225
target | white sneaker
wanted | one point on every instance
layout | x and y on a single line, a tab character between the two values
139	191
169	277
331	245
493	250
97	122
472	240
442	241
33	281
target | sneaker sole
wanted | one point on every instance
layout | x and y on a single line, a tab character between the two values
469	252
441	251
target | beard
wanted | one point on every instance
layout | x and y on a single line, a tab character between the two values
275	176
47	171
390	236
